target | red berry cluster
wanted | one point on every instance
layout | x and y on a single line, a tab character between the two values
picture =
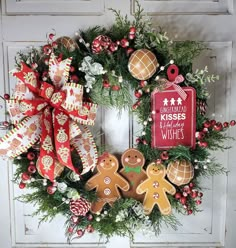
139	92
74	221
104	43
187	194
106	84
211	125
26	176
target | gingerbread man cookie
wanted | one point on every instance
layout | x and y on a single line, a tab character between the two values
133	160
156	187
106	181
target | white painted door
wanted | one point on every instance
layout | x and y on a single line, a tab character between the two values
25	23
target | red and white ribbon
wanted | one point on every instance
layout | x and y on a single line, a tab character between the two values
56	114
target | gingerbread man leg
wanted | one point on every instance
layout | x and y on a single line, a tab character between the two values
97	206
164	205
148	205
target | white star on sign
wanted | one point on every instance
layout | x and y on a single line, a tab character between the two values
179	100
172	101
165	101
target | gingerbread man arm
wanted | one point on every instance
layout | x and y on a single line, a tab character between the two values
168	187
121	182
142	187
92	182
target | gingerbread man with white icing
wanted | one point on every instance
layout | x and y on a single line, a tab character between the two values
133	161
155	187
106	182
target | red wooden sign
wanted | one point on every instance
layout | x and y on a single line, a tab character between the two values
174	119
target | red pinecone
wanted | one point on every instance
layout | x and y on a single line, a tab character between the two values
79	207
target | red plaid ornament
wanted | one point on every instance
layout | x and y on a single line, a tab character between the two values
79	207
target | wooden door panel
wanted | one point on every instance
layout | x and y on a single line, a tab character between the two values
206	229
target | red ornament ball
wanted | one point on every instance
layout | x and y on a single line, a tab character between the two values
6	96
183	200
194	194
218	126
131	36
213	122
90	228
75	219
203	144
32	169
190	211
198	202
70	229
132	30
129	51
106	84
178	195
124	43
142	64
200	194
6	124
113	47
200	135
225	124
22	185
30	155
80	207
138	93
80	233
115	87
74	78
191	185
232	123
207	124
143	83
164	155
90	217
51	190
25	176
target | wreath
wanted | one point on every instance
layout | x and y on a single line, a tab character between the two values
58	91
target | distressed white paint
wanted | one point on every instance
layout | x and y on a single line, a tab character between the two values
27	22
192	7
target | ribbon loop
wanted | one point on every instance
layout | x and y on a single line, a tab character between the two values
179	79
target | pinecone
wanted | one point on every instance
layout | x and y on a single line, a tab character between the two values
201	106
79	207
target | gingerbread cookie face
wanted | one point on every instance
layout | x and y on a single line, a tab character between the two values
156	170
106	182
156	187
107	162
132	161
133	158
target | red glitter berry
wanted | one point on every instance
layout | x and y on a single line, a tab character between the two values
190	211
80	233
6	96
25	176
178	195
32	169
22	185
31	156
183	200
232	123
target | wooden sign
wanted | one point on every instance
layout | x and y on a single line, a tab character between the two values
174	119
